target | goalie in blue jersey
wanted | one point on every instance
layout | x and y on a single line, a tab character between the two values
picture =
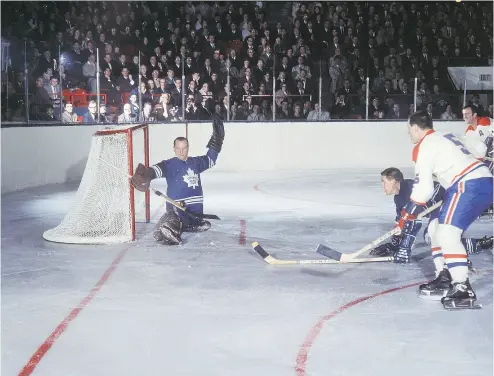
401	245
182	174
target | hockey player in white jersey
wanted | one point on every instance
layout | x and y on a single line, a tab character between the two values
469	189
479	140
479	134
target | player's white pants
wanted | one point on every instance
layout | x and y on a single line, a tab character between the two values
448	238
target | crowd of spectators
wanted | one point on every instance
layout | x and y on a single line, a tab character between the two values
236	56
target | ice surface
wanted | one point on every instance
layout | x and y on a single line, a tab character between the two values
214	307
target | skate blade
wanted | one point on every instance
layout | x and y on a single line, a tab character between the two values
460	308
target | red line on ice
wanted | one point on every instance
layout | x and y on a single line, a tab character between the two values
43	349
243	226
303	353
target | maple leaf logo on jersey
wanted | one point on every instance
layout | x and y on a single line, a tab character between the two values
191	178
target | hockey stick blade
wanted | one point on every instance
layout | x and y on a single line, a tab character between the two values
346	257
185	210
274	261
329	252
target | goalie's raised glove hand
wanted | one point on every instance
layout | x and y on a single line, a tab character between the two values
216	141
142	177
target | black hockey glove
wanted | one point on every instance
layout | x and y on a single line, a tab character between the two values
216	140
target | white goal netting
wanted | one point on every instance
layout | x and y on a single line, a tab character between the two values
106	206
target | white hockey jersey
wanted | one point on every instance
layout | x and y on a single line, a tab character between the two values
442	156
475	139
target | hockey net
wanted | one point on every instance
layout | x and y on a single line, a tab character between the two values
106	206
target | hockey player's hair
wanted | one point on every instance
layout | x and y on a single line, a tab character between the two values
473	108
421	119
180	139
393	173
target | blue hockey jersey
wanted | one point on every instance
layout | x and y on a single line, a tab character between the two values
402	198
184	180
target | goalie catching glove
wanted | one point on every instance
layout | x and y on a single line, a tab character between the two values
142	177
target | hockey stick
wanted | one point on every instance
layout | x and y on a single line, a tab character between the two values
168	199
338	256
274	261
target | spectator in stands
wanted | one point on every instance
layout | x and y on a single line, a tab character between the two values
449	114
103	115
284	112
135	110
297	115
256	115
476	102
89	73
307	108
41	99
300	67
55	93
266	110
146	116
341	109
90	117
317	115
126	116
229	69
336	75
162	108
395	112
191	110
68	116
176	93
125	83
302	94
243	111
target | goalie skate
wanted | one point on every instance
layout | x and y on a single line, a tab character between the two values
203	226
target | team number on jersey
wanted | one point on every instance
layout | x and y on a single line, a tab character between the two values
454	140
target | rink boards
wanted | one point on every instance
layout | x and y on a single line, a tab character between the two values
37	156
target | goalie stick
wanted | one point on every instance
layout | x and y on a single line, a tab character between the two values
338	256
168	199
274	261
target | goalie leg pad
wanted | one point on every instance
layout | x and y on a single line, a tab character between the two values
169	229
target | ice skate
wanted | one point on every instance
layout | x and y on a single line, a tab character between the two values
201	227
460	296
437	288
